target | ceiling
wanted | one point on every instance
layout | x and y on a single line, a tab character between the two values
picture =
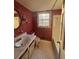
41	5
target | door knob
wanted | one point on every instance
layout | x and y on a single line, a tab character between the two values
58	42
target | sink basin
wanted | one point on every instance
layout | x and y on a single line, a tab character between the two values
22	42
23	39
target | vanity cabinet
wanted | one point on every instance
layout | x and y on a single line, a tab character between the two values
28	45
29	51
25	55
31	48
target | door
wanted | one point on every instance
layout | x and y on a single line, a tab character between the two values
59	35
56	29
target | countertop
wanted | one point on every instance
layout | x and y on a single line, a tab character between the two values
18	52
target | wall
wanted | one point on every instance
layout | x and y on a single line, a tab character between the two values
31	26
25	26
45	33
56	12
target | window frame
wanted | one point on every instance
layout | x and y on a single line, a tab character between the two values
43	12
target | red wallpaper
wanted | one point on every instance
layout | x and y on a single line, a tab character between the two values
31	25
25	26
56	12
45	33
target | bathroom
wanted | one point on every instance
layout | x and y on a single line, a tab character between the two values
39	29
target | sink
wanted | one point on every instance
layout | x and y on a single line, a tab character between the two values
23	39
21	42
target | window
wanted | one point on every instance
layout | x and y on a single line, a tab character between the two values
43	19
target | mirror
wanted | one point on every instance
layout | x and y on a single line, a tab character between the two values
16	20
